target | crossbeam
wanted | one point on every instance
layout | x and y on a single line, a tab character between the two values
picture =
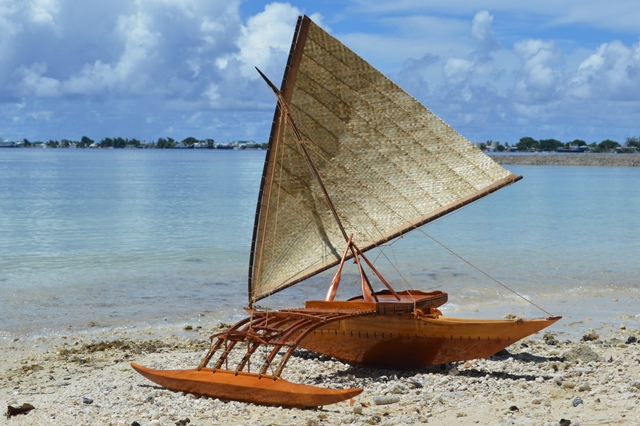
275	329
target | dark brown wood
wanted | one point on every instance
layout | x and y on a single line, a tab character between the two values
22	409
335	282
375	270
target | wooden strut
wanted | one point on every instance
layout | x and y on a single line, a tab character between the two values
335	282
286	328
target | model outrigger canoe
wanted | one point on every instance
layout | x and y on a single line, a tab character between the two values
352	158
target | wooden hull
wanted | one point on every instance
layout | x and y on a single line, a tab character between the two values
246	387
408	342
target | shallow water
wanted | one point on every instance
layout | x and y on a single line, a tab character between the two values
143	238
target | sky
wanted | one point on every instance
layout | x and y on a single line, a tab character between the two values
147	69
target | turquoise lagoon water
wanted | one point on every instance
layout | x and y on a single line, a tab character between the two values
132	239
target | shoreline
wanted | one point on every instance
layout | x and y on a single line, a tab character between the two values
567	159
86	379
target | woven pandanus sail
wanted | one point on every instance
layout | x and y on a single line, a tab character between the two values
389	165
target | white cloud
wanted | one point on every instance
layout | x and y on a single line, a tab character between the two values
143	48
43	11
33	81
212	93
467	85
457	70
129	72
482	32
267	34
537	79
620	15
612	72
10	28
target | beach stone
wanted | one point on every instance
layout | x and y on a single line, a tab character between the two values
398	389
357	408
590	336
87	401
577	401
585	387
581	353
385	399
374	420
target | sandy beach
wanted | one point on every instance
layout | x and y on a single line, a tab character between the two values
564	159
86	379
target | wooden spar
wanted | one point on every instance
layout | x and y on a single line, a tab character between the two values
373	268
367	289
335	282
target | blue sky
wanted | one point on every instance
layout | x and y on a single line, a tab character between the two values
155	68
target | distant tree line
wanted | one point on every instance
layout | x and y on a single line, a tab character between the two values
529	144
161	143
525	144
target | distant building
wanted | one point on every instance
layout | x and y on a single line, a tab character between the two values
626	150
489	146
9	144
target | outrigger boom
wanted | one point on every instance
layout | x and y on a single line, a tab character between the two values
279	330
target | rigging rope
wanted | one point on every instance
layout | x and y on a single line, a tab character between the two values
441	244
390	243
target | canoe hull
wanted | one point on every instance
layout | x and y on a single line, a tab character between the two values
407	342
245	387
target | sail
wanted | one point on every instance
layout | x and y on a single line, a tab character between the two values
389	165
